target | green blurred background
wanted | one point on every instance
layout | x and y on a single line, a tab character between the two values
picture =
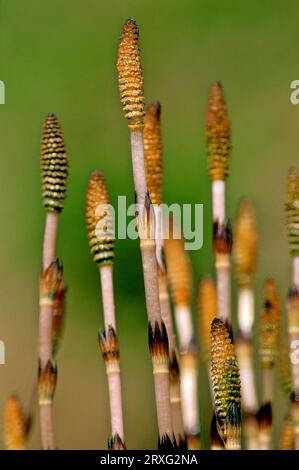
60	56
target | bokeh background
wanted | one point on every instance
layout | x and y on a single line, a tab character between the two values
60	56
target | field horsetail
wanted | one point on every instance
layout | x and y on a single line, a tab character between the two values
101	241
237	349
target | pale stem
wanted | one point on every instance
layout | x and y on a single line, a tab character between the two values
246	310
45	328
150	276
106	274
294	342
50	235
189	398
218	201
45	333
224	289
177	421
115	398
184	325
166	311
46	419
162	391
139	172
248	383
296	271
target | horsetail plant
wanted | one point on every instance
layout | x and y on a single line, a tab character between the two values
218	149
174	369
245	254
130	79
226	385
50	281
293	333
207	310
154	176
269	329
180	282
218	159
54	172
292	220
101	241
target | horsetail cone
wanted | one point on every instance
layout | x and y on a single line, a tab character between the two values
54	165
178	268
207	310
269	325
286	440
99	220
224	373
15	426
292	211
130	77
217	134
284	368
245	243
153	152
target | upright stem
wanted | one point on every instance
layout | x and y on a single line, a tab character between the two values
47	428
189	394
184	325
115	397
139	172
176	410
246	310
244	350
45	332
247	377
106	274
50	235
265	435
218	200
162	391
223	286
160	371
175	394
296	271
112	366
166	310
150	276
49	283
